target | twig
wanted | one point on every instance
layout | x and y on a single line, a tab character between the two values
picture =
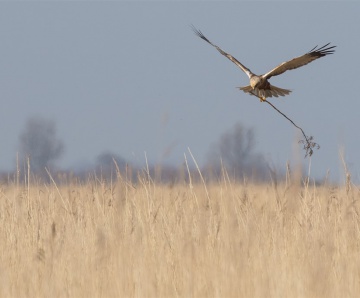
309	144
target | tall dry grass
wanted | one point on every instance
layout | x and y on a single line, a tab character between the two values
224	239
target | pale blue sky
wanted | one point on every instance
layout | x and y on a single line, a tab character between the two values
131	77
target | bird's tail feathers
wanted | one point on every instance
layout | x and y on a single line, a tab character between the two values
264	93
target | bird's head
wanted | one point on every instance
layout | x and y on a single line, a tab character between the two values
254	81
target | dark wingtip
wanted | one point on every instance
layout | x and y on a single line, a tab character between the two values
323	51
198	33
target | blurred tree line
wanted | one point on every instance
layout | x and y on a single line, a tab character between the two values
234	152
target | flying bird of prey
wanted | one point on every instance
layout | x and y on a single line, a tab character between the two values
259	85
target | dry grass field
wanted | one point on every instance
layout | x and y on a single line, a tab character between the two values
224	239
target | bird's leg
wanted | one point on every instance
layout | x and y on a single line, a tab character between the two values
262	98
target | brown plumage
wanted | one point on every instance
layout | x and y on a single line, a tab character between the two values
259	85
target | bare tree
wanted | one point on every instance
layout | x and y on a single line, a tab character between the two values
235	150
39	142
108	159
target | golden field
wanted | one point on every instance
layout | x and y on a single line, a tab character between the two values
224	239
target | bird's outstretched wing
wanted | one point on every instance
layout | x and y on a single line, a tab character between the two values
231	58
310	56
